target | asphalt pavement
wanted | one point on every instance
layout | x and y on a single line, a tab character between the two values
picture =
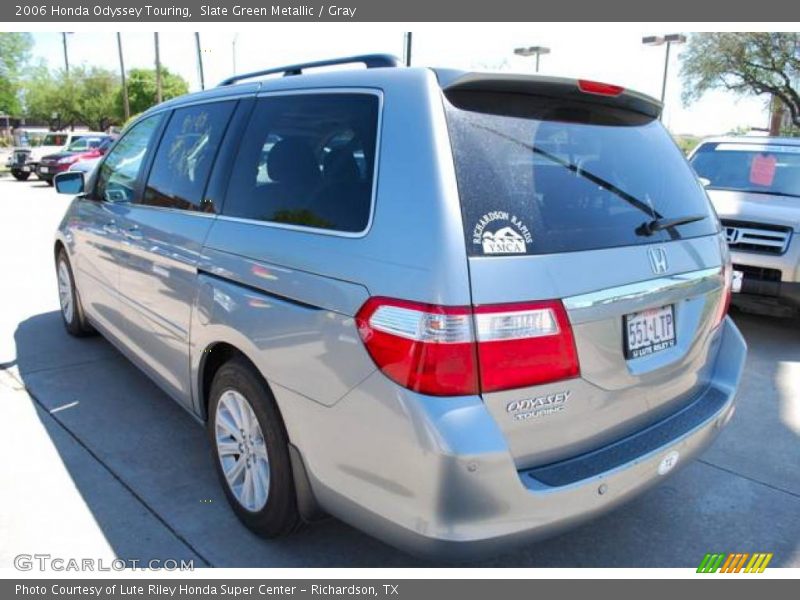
98	462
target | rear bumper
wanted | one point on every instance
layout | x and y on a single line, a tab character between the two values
460	495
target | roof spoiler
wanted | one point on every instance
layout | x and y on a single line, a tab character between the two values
551	87
370	61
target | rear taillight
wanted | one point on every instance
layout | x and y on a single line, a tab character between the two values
599	88
451	351
426	348
524	344
727	292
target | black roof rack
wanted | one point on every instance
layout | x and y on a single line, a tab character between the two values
371	61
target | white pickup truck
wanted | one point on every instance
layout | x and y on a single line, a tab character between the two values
24	160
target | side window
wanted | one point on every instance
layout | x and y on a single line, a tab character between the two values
117	176
185	155
308	160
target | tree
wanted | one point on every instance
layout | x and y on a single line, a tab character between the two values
41	94
745	63
142	88
98	90
88	95
15	51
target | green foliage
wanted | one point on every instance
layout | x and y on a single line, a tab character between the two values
15	51
88	95
142	88
686	143
745	63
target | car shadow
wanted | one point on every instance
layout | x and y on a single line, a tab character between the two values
159	453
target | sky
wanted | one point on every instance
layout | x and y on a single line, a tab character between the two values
602	52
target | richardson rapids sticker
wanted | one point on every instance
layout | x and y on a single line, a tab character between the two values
499	232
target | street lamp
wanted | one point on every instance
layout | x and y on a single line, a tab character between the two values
658	40
536	51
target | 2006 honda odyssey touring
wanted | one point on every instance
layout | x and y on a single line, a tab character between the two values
455	310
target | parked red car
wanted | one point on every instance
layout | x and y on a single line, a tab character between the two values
83	148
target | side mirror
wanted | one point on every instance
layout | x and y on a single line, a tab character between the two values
69	182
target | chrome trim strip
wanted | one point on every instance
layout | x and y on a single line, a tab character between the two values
641	289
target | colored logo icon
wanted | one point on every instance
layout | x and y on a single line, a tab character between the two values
735	563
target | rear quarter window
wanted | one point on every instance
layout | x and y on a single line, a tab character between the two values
308	160
539	176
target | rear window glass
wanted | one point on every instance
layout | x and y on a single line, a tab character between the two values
750	167
538	176
55	139
307	160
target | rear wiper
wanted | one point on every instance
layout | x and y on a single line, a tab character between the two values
650	227
606	185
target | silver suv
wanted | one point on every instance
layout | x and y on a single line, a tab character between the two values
754	184
455	310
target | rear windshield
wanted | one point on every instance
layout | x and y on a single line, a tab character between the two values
538	176
750	167
55	139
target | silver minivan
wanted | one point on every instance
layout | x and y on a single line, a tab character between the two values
456	310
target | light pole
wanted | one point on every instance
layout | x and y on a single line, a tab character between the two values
658	40
66	54
199	60
407	48
536	51
233	44
158	70
125	102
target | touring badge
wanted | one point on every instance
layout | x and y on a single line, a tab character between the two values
499	232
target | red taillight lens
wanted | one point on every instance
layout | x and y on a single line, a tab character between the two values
524	344
440	351
727	292
423	347
601	89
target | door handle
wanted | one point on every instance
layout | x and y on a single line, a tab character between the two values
110	227
133	234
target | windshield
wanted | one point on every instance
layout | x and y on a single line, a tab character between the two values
55	139
538	176
762	168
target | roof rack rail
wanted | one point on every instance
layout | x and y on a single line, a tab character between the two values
371	61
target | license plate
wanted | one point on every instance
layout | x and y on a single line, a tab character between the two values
44	169
649	331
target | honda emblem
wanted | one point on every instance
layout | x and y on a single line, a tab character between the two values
733	235
658	260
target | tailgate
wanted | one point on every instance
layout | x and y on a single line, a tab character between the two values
586	203
614	395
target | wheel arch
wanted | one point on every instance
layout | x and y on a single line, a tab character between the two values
214	356
58	246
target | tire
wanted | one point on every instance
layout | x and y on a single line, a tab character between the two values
49	182
19	175
270	508
71	311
